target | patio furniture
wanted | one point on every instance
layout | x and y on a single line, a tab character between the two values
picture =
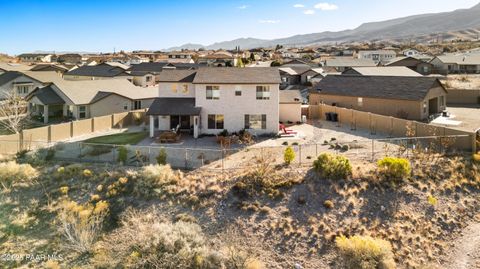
172	136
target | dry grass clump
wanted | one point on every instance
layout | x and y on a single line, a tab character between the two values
153	177
147	240
265	178
12	172
365	252
81	224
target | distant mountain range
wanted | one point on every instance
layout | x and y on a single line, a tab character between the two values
462	22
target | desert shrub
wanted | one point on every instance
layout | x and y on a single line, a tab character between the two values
476	158
394	168
162	157
288	155
147	240
328	204
332	166
122	155
153	177
12	172
81	224
365	252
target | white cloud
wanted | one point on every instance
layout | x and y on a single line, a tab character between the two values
243	7
309	12
326	6
269	21
298	6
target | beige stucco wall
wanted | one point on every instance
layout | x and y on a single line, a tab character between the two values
60	131
82	127
455	96
380	106
234	108
109	105
142	80
290	112
165	90
103	123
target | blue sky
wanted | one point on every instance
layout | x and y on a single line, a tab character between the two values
100	26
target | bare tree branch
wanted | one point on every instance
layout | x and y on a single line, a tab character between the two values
13	112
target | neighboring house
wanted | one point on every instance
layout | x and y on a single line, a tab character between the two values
393	71
457	64
97	72
4	67
410	52
23	83
218	59
343	63
210	100
414	98
49	67
142	73
415	64
180	57
37	58
377	56
290	106
297	75
86	99
70	58
300	63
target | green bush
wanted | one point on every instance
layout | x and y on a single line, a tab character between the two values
162	157
394	168
365	252
289	155
332	166
122	155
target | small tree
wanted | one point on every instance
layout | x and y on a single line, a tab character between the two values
13	114
162	157
288	155
122	154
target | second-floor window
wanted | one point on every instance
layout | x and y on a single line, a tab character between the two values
137	104
360	101
263	93
213	92
23	89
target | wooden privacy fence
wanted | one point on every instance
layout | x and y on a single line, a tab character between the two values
38	137
393	127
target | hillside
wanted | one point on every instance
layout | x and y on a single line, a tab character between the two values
412	27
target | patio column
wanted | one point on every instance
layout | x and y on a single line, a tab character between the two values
152	126
196	123
45	114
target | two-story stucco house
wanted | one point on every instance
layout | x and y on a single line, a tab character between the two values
210	100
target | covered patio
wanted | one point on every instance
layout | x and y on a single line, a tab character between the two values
46	103
174	115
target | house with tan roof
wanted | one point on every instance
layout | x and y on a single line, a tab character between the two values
23	82
89	98
457	64
210	100
393	71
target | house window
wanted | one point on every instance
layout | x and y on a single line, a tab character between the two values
213	92
174	88
23	89
263	92
148	78
137	104
360	101
185	88
82	112
425	107
125	106
441	100
238	93
256	121
215	121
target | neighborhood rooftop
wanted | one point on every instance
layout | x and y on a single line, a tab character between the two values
389	87
220	75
